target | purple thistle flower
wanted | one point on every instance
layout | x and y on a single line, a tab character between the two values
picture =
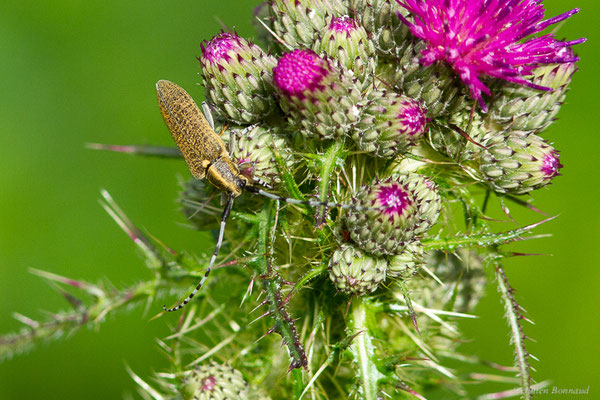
318	98
217	50
484	37
393	199
299	71
413	118
343	24
551	165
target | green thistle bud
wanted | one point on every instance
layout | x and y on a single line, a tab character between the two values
429	202
526	109
399	208
320	100
215	382
518	163
297	22
445	138
354	272
436	87
380	20
253	148
407	262
347	42
390	124
237	78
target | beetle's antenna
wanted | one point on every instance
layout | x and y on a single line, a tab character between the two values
224	217
313	203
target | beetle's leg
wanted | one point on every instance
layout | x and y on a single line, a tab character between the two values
224	128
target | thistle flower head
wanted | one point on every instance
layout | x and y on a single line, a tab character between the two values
400	207
478	38
319	98
221	48
343	24
348	43
297	22
390	124
237	78
551	164
522	108
299	71
518	163
254	151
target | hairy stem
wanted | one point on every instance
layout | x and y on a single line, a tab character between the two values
513	316
493	239
60	324
330	159
272	285
363	350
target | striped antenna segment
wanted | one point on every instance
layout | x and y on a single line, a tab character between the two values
224	217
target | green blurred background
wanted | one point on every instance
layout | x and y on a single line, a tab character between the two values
76	71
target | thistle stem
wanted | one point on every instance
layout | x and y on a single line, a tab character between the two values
331	158
363	350
272	284
61	324
513	316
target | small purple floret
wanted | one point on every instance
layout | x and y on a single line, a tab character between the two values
208	384
393	199
413	118
299	71
487	37
217	48
342	24
551	165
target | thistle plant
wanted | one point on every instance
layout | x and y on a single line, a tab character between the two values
383	121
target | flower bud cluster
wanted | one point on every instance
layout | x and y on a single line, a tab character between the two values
325	90
354	272
364	77
373	78
381	118
385	228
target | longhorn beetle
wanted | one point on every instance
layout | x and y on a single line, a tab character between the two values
206	156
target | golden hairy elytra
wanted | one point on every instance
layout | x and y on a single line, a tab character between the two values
204	151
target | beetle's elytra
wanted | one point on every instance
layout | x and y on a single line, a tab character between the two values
204	151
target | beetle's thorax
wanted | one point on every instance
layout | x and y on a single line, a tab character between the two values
226	176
